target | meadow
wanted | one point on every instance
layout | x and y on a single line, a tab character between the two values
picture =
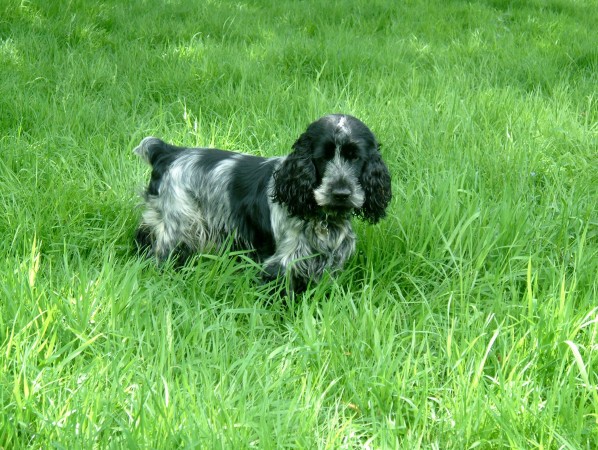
468	318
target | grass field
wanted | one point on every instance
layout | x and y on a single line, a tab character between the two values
467	319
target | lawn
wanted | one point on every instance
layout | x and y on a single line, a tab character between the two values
468	318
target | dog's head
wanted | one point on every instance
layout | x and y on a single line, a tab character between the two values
335	169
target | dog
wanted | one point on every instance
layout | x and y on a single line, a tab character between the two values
293	213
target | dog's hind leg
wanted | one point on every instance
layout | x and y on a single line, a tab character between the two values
170	223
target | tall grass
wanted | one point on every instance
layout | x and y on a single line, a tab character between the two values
468	318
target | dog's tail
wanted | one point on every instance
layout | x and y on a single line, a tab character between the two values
147	147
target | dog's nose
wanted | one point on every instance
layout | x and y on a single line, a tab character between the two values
341	194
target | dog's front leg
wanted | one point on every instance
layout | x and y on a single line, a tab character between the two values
283	277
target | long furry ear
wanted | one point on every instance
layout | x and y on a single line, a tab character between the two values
295	180
375	181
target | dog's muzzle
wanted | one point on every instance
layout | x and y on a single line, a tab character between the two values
340	188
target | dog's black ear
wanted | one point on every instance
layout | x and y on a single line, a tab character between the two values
375	181
295	180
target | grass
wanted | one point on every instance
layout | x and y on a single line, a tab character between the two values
468	318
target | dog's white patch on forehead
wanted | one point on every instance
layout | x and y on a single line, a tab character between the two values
343	127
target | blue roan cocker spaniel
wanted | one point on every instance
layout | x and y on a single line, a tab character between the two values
293	212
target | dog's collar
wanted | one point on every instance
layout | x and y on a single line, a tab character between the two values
322	219
322	226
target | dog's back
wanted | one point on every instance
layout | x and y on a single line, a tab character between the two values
198	196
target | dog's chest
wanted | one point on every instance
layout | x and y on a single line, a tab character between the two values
336	240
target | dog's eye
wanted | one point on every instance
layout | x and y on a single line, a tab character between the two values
350	151
329	150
